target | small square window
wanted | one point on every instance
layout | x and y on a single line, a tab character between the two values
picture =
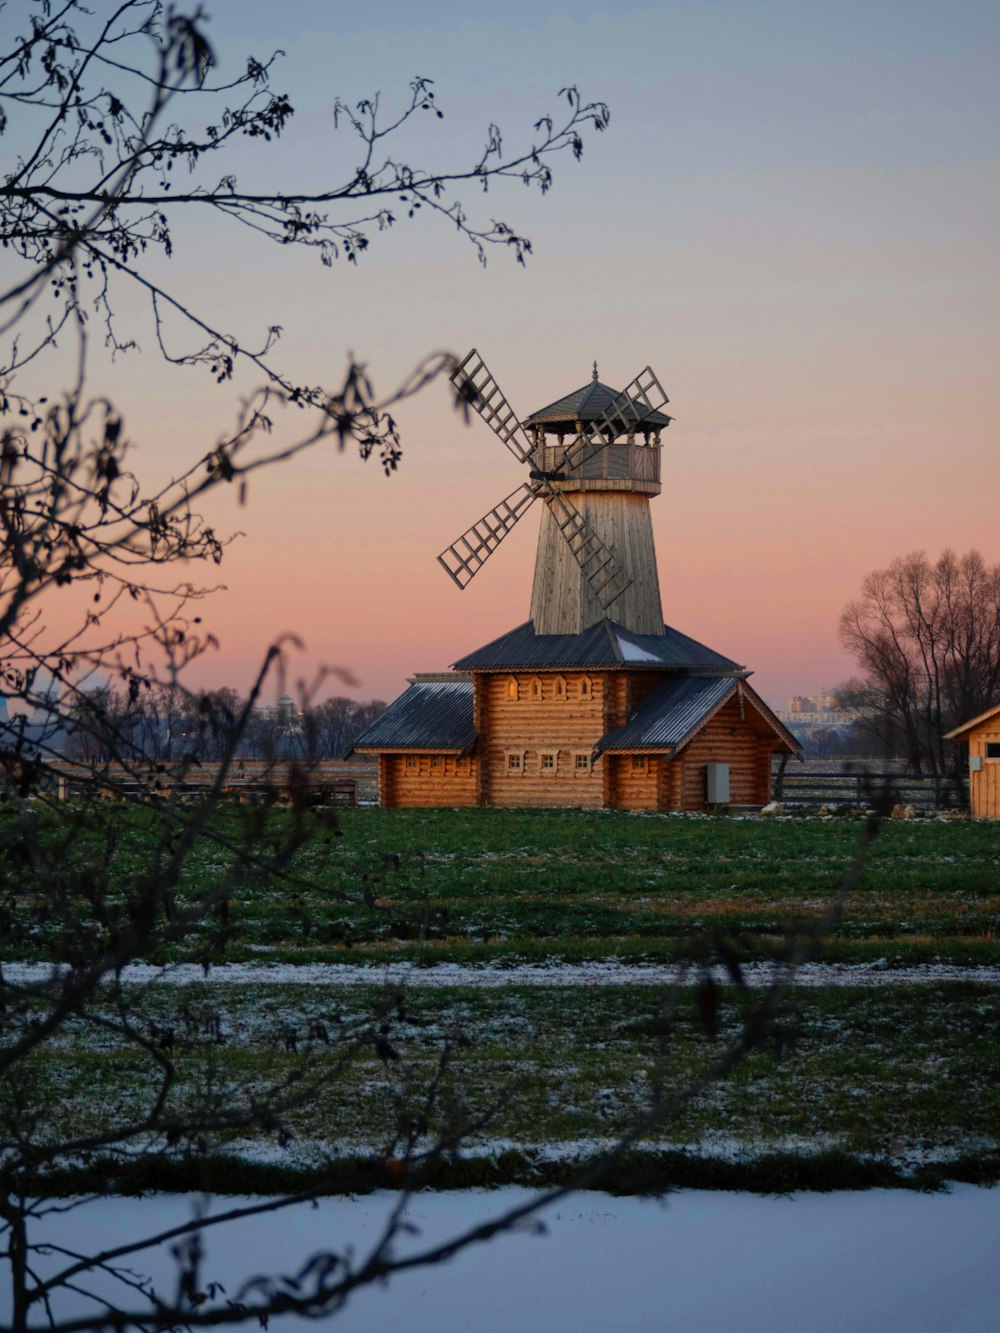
582	763
638	761
436	761
513	763
411	761
993	749
548	762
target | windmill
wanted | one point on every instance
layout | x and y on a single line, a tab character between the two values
595	551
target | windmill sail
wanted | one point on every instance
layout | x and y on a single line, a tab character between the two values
477	387
467	554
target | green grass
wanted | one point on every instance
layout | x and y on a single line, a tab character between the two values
473	885
893	1085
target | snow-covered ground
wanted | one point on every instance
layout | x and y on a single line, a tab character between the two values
487	976
700	1262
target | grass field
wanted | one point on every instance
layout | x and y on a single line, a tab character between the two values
483	884
905	1079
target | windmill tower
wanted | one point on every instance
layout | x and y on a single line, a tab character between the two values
594	460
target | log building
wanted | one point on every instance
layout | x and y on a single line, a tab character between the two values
585	704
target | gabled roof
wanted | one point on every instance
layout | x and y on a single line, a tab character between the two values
966	727
679	708
587	404
606	644
430	715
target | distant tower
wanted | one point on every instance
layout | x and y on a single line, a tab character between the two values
611	489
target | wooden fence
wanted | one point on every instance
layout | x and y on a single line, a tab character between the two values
809	786
322	782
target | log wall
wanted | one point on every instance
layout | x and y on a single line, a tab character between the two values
540	722
729	739
433	780
635	787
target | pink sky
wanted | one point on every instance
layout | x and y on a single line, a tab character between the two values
793	218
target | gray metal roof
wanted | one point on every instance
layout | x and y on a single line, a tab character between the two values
587	404
671	713
679	707
606	644
430	715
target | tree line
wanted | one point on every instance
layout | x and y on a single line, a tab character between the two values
163	724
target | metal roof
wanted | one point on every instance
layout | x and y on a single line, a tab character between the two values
680	707
430	715
957	732
605	644
671	713
587	404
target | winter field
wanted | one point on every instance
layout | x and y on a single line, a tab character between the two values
564	958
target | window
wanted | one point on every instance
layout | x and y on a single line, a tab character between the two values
535	689
585	687
460	761
436	761
639	762
993	749
411	761
512	690
548	762
559	688
581	763
515	763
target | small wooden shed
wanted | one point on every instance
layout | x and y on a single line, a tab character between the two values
982	734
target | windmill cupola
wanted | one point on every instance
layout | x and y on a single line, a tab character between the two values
631	438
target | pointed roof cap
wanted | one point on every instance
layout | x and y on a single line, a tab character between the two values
587	404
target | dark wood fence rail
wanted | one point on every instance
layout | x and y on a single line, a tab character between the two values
805	786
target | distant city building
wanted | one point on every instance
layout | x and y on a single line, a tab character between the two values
816	710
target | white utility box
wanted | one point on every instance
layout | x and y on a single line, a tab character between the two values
717	776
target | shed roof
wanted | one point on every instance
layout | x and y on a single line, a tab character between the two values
587	404
604	645
430	715
973	722
680	707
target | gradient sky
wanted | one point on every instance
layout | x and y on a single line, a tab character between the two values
793	218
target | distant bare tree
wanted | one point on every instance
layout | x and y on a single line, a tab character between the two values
927	639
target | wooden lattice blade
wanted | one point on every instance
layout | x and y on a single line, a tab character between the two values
467	554
477	387
635	404
596	559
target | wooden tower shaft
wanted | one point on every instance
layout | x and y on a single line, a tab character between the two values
611	489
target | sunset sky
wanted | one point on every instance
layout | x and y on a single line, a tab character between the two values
793	218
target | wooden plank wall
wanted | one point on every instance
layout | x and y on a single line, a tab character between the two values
984	786
728	739
530	726
447	782
635	788
563	602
